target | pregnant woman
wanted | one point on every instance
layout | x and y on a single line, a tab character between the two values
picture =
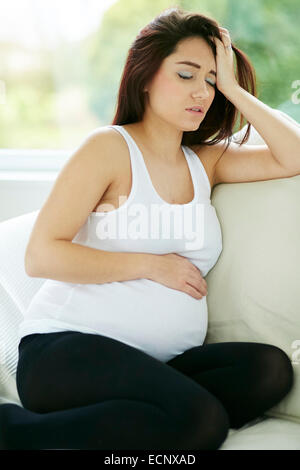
112	352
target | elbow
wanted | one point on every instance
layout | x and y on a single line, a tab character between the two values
30	265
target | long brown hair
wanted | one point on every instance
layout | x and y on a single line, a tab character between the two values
152	45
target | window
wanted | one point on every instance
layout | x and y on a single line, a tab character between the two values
61	63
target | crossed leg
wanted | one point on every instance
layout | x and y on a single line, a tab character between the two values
247	378
85	391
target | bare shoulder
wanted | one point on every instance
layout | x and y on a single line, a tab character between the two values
209	156
97	152
108	137
112	145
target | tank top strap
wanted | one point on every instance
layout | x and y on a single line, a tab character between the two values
131	146
202	180
137	162
141	178
138	181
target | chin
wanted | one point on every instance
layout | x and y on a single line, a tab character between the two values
190	128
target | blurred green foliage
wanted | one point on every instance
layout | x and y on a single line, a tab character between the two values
71	90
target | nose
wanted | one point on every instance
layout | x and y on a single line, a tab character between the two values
201	92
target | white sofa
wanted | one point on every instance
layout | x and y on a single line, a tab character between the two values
253	292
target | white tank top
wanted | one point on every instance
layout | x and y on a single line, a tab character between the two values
158	320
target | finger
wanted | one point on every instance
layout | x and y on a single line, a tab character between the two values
220	44
226	37
191	290
202	280
197	272
201	288
218	41
204	289
200	285
225	33
224	30
226	41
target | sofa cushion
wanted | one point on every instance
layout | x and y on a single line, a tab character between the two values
253	290
264	434
16	292
14	236
10	316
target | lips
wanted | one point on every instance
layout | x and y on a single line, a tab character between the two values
200	109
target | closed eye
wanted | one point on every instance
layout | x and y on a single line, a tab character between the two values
184	77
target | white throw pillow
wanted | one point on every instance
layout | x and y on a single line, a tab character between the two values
16	292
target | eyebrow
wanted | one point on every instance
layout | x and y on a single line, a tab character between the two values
193	64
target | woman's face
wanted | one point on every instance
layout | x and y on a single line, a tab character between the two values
176	87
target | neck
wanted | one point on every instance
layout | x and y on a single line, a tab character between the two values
161	139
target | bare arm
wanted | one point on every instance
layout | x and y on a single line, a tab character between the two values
281	135
79	186
70	262
279	158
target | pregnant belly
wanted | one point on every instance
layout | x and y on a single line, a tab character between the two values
161	321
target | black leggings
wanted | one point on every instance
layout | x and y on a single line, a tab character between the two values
86	391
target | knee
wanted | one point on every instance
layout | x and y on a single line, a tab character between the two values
206	425
216	425
277	370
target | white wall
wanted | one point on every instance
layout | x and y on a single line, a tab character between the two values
26	178
23	192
